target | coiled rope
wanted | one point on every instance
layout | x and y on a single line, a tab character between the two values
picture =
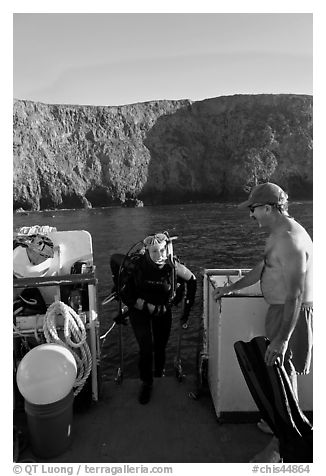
75	339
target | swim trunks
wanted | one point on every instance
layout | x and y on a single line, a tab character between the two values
299	350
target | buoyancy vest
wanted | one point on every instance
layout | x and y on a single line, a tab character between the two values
154	284
138	277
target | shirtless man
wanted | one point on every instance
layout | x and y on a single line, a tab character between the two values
285	274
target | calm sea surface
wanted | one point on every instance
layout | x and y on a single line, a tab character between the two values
209	235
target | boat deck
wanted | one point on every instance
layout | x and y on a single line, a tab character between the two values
171	428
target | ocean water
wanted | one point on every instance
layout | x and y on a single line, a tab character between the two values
210	235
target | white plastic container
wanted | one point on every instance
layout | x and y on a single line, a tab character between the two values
235	317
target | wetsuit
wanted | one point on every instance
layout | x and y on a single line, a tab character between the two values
152	328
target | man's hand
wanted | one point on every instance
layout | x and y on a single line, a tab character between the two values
221	291
276	351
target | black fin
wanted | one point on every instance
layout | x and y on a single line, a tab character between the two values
271	389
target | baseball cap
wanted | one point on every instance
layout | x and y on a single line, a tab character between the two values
265	193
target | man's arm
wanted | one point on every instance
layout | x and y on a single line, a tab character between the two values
293	262
250	278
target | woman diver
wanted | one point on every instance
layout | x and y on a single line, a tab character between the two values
152	282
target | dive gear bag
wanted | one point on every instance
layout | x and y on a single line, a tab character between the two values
29	302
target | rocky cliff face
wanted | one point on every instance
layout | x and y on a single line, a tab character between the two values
160	151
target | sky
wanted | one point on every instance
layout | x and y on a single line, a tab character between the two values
124	58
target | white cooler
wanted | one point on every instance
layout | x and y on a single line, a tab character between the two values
237	317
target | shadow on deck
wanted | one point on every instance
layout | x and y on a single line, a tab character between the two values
171	428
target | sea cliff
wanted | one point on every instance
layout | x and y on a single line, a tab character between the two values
69	156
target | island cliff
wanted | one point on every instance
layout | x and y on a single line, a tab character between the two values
160	151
